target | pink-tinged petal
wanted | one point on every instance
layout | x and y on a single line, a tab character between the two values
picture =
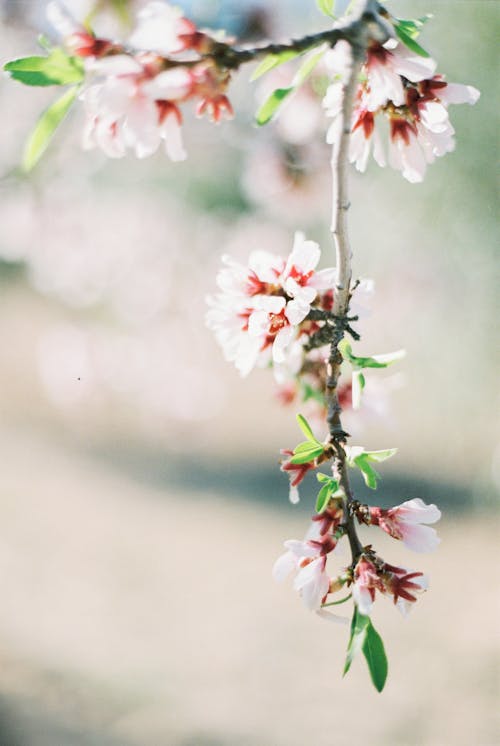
158	29
416	511
171	85
294	496
270	304
419	538
305	254
434	116
171	133
411	65
301	549
362	598
248	352
284	565
312	583
378	150
281	342
456	93
324	279
359	149
296	311
115	65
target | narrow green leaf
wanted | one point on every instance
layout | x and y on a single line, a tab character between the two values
326	7
45	128
330	489
409	42
306	428
373	361
370	475
273	60
324	478
57	68
374	652
356	640
413	27
271	105
306	452
307	67
379	456
323	498
273	102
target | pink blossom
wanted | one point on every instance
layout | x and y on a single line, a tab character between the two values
407	522
371	576
162	28
384	67
134	107
308	559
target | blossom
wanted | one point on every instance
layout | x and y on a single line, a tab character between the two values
261	311
134	108
162	28
77	39
371	575
384	67
407	522
308	559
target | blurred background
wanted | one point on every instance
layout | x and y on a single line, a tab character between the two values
141	504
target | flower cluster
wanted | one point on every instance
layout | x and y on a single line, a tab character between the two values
132	98
368	573
401	87
261	314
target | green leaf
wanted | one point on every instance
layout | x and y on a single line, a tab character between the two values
324	478
373	361
272	104
329	489
306	428
409	42
413	27
323	498
273	60
370	475
374	652
357	638
57	68
306	452
326	7
358	384
45	128
379	456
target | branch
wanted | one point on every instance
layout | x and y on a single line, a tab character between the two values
365	22
342	290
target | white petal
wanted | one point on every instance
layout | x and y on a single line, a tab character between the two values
284	565
281	342
171	132
296	311
169	85
419	538
324	279
456	93
416	511
293	495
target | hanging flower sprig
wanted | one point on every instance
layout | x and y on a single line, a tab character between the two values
283	312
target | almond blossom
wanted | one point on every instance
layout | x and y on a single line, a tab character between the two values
372	575
308	559
407	522
268	301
